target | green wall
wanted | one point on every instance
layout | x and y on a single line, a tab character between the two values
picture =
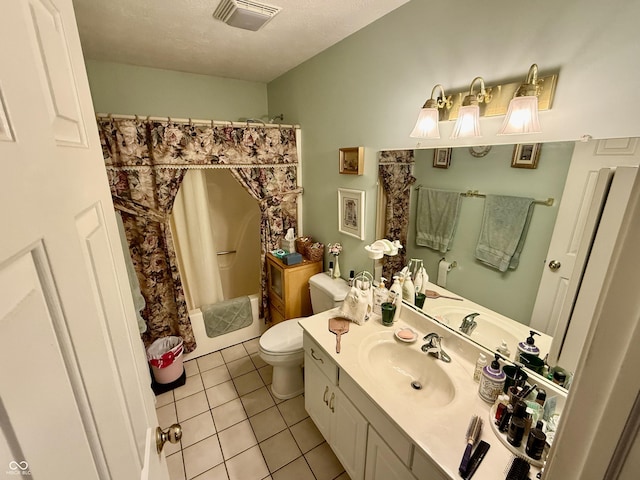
126	89
511	293
367	89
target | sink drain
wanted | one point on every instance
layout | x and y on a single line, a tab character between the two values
416	385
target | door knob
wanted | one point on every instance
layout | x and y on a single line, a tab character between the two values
554	265
173	434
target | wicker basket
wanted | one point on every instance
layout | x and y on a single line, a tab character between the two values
301	245
315	251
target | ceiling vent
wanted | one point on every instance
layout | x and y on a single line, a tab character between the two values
245	13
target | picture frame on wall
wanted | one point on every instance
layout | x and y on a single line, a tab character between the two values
352	160
526	155
442	157
351	212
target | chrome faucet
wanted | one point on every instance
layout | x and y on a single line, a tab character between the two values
469	324
434	347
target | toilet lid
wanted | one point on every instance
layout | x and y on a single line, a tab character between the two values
284	337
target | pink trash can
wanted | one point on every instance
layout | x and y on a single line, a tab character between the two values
165	357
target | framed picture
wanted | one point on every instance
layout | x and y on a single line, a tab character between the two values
351	212
526	155
442	157
352	160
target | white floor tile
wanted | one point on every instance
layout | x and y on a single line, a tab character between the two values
191	406
164	399
280	450
175	466
197	428
216	473
241	366
252	346
248	382
212	360
191	386
223	393
202	456
228	414
237	439
257	401
234	353
167	415
215	376
191	368
249	465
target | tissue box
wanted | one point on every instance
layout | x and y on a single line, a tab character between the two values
288	245
292	259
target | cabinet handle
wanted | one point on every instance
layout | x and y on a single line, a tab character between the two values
333	397
313	354
324	397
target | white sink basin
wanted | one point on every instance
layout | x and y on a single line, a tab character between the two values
400	367
490	330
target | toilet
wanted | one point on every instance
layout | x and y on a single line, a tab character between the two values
281	345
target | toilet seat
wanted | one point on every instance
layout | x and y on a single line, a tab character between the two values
283	338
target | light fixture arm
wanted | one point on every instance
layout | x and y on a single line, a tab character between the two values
530	88
482	96
440	101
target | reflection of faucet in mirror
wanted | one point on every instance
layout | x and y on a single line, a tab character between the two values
469	324
434	347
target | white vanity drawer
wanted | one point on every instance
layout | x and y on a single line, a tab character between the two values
423	467
321	359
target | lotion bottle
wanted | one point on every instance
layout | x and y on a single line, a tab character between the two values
408	290
381	295
395	296
491	381
503	350
480	364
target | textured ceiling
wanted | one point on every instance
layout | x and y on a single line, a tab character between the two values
182	35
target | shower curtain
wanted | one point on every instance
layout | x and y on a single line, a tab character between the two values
146	161
395	169
193	235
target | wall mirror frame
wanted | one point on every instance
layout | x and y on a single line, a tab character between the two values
563	158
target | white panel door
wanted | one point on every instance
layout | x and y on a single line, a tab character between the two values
572	222
75	400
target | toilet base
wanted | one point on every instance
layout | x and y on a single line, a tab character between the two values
287	381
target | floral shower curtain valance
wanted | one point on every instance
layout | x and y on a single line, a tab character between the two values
146	161
395	169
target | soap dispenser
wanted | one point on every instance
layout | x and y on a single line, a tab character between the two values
492	381
380	295
408	290
395	296
528	346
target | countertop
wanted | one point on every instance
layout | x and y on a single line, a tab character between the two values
439	431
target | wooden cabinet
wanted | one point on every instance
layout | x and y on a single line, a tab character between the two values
288	287
341	424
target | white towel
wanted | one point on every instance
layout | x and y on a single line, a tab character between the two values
436	218
505	223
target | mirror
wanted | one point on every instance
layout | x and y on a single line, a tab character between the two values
511	294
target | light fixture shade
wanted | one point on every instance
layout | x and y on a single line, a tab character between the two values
468	122
522	116
427	124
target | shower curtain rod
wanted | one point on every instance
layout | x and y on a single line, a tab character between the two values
193	121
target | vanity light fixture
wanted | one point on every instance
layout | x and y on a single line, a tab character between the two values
519	101
429	116
522	115
468	122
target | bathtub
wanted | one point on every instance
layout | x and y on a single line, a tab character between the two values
207	345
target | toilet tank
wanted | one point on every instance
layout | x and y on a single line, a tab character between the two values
326	292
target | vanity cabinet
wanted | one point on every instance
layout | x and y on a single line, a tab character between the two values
288	287
382	463
341	424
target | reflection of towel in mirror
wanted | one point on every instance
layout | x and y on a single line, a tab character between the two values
504	228
227	316
436	218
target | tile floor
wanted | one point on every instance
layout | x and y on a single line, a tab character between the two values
234	429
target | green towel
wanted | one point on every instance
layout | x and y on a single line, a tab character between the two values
504	228
227	316
436	218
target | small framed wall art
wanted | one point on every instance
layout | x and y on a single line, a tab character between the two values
442	157
352	160
351	212
526	155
